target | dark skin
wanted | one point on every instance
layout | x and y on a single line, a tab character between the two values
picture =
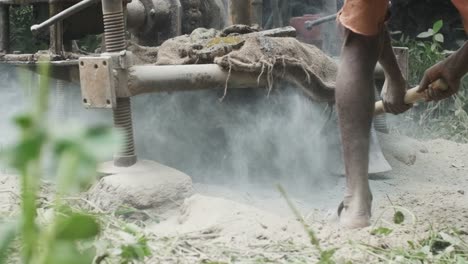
451	70
355	104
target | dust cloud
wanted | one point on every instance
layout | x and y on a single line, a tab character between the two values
249	138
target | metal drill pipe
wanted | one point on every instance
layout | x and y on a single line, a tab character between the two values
172	78
64	14
310	24
114	34
169	78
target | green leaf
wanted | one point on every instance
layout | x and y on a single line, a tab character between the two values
381	231
27	150
439	38
64	209
95	143
66	252
134	252
137	251
398	217
76	171
437	26
422	45
426	34
23	121
327	255
62	145
8	234
77	226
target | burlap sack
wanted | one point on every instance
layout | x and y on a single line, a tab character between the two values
273	58
285	58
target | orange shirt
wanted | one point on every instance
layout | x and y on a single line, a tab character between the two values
367	17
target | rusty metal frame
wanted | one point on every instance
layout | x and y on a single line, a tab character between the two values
97	82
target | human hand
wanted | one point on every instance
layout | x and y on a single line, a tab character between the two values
441	70
393	96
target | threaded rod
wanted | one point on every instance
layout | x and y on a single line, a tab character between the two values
123	121
60	100
114	34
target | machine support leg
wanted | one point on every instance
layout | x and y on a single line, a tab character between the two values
114	34
56	31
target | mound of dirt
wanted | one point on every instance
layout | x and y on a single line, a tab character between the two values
230	221
146	184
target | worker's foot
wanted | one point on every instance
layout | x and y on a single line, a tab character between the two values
353	220
355	214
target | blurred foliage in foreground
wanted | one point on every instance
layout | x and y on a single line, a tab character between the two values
63	238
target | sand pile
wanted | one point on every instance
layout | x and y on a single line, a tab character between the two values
231	221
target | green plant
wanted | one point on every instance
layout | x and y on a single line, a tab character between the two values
424	51
21	37
76	155
433	33
438	247
90	43
137	250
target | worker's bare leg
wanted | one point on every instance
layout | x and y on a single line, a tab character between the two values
355	104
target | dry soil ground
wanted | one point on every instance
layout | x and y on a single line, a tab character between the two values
429	181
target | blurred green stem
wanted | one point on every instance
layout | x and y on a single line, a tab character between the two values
31	174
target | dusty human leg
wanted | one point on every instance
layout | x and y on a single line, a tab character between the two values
355	100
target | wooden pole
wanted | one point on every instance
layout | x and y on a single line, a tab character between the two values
412	96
